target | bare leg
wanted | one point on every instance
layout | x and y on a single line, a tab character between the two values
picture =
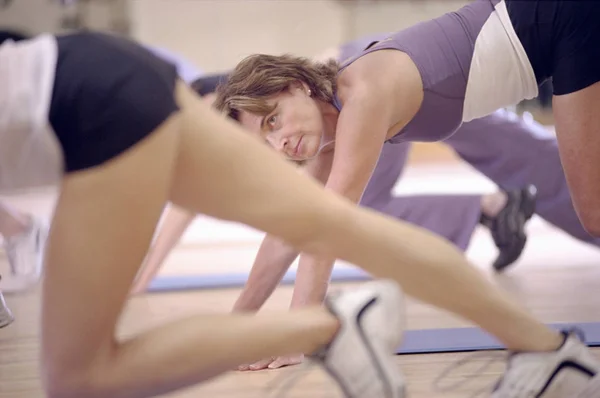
87	257
513	152
426	266
24	240
6	316
197	149
176	221
453	217
578	133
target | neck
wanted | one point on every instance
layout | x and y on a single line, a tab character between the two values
330	118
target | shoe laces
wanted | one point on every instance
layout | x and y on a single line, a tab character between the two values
488	358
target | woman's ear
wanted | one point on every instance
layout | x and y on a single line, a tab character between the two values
300	86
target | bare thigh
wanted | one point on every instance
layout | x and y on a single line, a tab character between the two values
103	224
105	219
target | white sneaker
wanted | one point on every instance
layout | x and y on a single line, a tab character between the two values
361	356
593	388
564	373
25	252
6	317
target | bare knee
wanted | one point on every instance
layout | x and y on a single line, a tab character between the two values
67	385
586	207
68	381
590	219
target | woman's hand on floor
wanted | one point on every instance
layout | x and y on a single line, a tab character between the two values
273	363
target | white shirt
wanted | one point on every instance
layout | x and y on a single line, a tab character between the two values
501	74
30	154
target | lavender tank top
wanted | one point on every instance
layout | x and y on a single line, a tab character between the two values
442	50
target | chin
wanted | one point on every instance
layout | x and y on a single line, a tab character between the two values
312	149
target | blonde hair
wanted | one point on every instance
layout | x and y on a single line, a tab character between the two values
260	76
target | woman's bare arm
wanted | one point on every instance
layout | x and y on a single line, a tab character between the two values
275	256
380	94
175	222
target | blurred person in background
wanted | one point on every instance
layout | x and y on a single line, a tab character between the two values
516	153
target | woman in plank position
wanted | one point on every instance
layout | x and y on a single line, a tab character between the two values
421	84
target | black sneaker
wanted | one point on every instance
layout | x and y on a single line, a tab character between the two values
508	227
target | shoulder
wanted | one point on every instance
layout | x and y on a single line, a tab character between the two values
381	73
387	80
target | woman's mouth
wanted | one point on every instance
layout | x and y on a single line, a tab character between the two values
297	149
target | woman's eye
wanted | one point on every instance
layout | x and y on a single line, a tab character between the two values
272	120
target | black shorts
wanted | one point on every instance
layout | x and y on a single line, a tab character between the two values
109	94
561	39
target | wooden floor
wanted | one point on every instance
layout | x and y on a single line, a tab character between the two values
558	279
575	300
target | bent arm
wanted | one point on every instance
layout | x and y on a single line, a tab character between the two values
275	256
361	132
273	259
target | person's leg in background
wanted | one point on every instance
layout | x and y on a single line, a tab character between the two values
512	151
453	217
6	316
24	238
21	254
575	105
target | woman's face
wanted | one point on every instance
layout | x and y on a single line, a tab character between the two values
294	127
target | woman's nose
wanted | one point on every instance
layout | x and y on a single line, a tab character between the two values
279	143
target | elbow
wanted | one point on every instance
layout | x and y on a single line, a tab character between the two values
72	384
584	197
66	389
60	389
589	215
591	223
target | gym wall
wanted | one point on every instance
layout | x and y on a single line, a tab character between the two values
215	34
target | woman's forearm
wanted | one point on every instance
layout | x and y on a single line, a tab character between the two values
273	260
176	221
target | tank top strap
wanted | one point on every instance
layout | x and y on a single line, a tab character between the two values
344	64
373	46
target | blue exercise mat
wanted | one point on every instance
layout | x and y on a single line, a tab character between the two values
222	281
428	341
415	341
